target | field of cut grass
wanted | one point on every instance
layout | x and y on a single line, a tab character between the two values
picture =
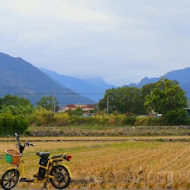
96	130
107	164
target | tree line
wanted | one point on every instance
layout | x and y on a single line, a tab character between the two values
165	97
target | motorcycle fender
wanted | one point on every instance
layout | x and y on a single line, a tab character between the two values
11	168
68	171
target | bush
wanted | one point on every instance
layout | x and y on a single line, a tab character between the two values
149	121
62	119
177	117
129	119
112	120
9	124
21	123
41	116
102	119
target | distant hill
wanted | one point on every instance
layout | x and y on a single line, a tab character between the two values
182	76
19	77
92	88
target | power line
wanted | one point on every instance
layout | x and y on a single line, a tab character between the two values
69	93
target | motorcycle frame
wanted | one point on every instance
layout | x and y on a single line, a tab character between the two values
50	164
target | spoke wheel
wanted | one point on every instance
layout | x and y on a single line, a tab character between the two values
10	179
61	178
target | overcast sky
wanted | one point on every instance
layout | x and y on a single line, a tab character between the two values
121	41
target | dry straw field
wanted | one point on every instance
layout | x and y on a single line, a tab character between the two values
116	164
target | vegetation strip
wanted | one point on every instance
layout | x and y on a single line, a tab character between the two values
104	140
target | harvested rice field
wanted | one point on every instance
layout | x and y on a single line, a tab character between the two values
105	163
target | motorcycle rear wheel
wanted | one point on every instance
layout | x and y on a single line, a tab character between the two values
61	178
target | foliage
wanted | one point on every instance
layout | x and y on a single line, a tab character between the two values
47	102
168	99
123	100
16	110
130	119
14	100
15	105
147	89
41	117
62	119
177	116
9	124
149	121
78	112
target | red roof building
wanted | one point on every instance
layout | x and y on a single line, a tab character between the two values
85	108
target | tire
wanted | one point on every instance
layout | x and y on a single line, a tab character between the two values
10	179
61	177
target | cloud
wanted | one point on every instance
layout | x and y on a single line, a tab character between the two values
59	9
120	41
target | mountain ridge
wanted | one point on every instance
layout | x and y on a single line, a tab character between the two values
92	88
180	75
21	77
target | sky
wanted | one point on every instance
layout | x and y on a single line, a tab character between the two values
121	41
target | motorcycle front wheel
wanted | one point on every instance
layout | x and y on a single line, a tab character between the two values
61	177
10	179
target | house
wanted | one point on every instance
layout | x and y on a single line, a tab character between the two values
85	108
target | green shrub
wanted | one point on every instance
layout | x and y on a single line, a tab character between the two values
177	117
62	119
41	117
149	121
21	123
121	120
112	120
129	119
9	124
102	119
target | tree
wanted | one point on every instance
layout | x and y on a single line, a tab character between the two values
78	112
123	100
168	99
147	89
14	101
48	102
15	105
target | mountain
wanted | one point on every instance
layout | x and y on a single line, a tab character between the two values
92	88
19	77
181	75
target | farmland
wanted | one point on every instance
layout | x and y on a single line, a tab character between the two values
115	162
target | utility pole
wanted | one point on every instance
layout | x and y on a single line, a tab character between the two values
108	104
150	114
53	103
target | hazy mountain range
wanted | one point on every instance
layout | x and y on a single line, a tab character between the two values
19	77
181	75
92	88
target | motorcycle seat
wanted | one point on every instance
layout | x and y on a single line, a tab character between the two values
57	156
43	155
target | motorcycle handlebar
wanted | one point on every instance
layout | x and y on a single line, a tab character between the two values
29	144
17	138
26	144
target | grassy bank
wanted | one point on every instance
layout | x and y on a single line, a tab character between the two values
99	130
